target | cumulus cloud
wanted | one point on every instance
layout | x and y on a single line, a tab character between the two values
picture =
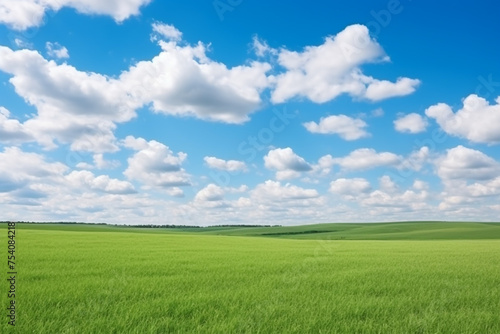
471	182
210	193
489	188
55	50
465	163
167	31
350	187
324	165
411	123
175	192
409	200
154	164
286	163
23	171
459	195
212	196
387	185
40	189
268	201
285	158
85	179
184	81
274	191
476	121
346	127
387	200
420	185
367	158
227	165
382	89
99	162
74	107
22	43
11	130
416	160
321	73
35	188
261	48
24	14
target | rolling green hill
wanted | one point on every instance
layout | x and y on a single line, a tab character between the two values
375	231
333	231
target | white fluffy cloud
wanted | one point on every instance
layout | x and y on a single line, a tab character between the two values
286	163
409	200
167	31
386	201
465	163
210	193
155	165
11	130
476	121
274	191
324	165
213	197
74	107
261	48
382	89
350	187
55	50
387	185
42	190
104	183
227	165
488	188
269	202
99	163
471	182
184	81
367	158
411	123
416	160
459	195
346	127
22	170
23	14
321	73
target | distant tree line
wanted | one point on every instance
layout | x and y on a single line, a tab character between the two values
143	225
244	226
161	226
31	222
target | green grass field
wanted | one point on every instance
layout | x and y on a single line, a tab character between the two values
395	278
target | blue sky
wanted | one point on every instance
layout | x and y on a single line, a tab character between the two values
249	112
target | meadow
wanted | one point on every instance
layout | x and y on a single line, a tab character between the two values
333	278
